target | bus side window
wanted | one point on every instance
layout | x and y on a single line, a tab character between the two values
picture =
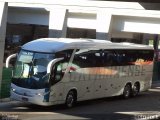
108	58
121	58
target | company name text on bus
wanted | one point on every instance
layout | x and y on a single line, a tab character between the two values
108	72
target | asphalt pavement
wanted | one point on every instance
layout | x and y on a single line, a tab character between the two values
143	107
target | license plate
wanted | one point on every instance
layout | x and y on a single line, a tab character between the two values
24	99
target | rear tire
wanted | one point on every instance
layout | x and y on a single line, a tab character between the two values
70	99
135	89
127	91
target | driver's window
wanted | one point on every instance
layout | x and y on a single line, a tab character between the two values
60	67
57	72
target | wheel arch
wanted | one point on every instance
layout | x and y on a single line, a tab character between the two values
139	84
129	83
74	89
127	92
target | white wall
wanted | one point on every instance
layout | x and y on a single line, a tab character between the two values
124	20
136	24
81	20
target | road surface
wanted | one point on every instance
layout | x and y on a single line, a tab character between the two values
143	107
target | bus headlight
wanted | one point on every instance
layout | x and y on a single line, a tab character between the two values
12	89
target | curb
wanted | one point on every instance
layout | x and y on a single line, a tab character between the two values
154	84
5	100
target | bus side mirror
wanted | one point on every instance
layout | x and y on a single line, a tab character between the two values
9	58
51	63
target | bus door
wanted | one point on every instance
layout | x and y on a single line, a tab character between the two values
57	75
56	84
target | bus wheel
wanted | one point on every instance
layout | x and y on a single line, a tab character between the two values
70	99
127	91
135	89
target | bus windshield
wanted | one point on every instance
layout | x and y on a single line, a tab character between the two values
31	70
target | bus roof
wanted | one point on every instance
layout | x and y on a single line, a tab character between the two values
50	45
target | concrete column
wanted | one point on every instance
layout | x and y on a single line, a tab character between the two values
145	39
156	69
103	25
156	42
58	23
3	21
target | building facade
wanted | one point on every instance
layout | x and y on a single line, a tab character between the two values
23	21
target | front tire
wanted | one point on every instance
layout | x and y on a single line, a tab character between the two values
70	99
127	91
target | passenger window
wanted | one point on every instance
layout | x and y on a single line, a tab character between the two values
88	58
108	58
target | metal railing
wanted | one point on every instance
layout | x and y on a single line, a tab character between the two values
5	85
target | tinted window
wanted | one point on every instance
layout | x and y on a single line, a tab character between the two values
101	58
88	58
127	57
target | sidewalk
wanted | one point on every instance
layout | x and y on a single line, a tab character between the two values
5	100
156	83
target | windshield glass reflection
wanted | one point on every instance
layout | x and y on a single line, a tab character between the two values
31	70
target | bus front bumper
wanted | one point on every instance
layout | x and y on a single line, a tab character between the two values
30	95
38	100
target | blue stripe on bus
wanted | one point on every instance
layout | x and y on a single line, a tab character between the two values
46	97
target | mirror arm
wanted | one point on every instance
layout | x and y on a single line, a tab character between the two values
9	58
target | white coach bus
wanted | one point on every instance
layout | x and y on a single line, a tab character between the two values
51	71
